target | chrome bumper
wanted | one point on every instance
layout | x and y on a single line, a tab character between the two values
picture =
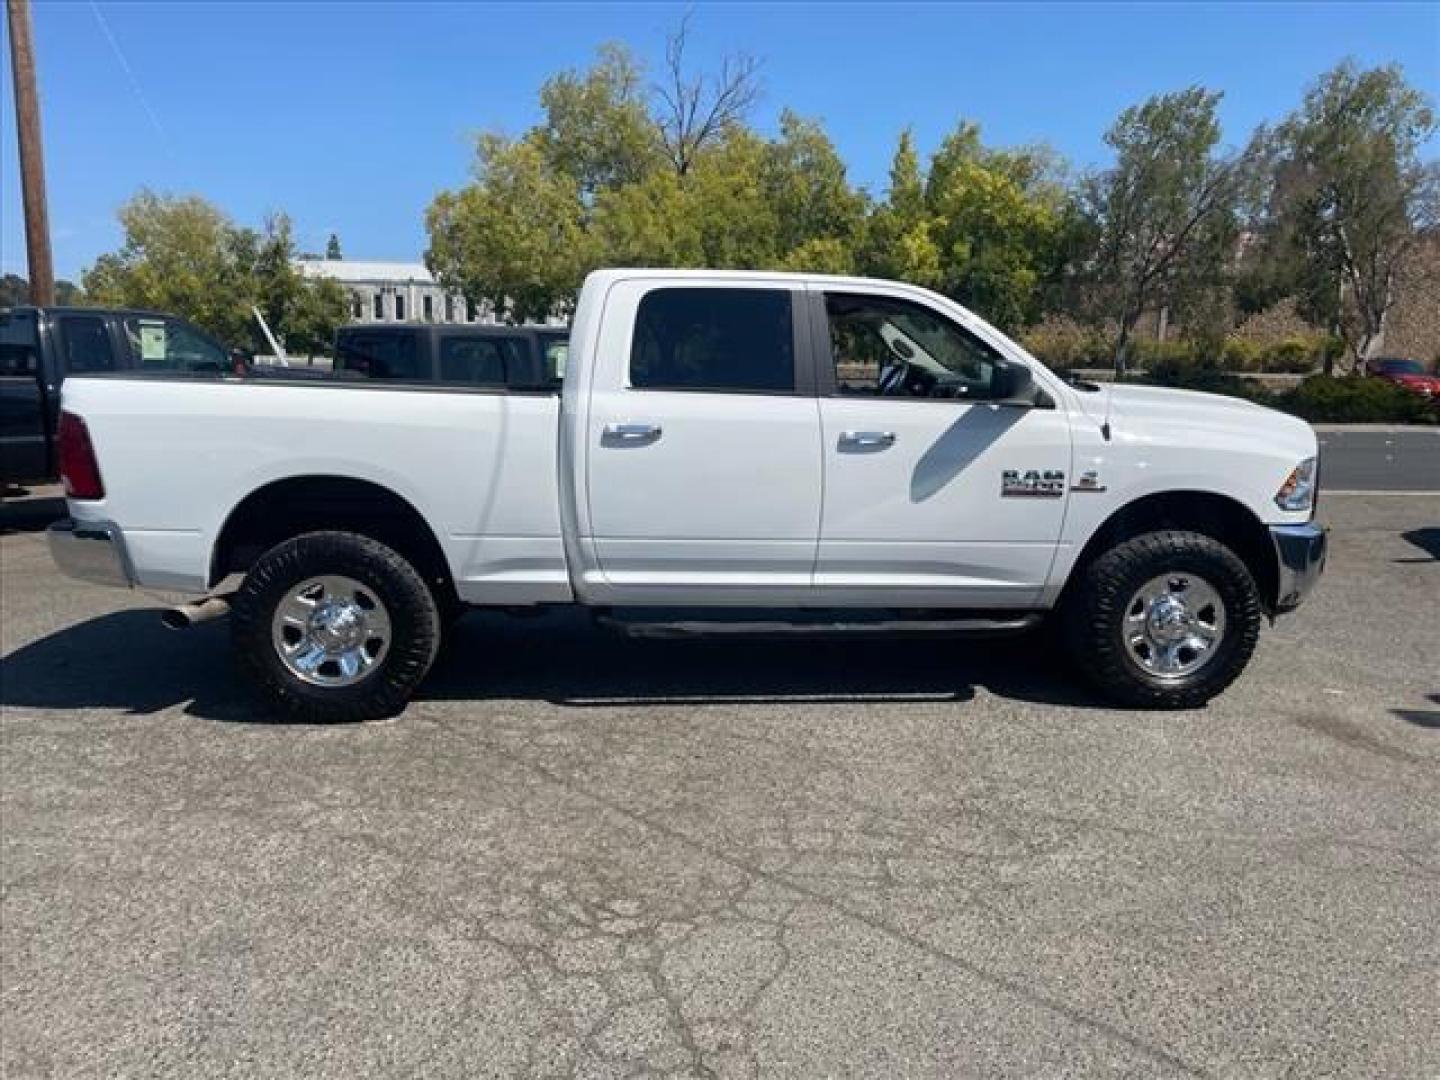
92	551
1299	557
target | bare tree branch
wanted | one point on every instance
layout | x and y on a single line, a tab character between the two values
696	111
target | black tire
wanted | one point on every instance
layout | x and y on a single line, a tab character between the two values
450	608
381	692
1095	612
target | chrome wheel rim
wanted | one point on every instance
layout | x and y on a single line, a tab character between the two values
1174	625
331	631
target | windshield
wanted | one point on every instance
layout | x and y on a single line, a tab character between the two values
1400	367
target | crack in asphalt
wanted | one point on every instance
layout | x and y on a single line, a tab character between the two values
790	884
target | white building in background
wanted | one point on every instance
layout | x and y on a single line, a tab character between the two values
386	292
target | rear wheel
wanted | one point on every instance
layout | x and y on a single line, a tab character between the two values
331	626
1164	620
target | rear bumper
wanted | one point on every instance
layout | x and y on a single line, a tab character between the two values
92	551
1300	557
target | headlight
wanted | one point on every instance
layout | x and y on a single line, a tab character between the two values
1298	491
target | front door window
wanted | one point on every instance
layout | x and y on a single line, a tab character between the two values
161	344
894	348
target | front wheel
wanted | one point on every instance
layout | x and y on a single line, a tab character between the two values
1164	620
332	626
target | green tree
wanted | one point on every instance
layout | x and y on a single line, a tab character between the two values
721	213
332	248
653	222
1351	198
982	225
996	218
897	241
304	312
907	186
15	290
1165	218
738	226
818	215
611	175
182	255
597	128
516	237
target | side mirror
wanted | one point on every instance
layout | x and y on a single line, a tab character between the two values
1013	384
240	361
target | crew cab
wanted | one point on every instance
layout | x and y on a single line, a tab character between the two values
40	346
730	452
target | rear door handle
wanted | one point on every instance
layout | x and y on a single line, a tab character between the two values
629	432
869	440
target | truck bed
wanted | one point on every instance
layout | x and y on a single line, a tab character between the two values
478	466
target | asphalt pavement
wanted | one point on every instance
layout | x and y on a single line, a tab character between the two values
1376	458
578	855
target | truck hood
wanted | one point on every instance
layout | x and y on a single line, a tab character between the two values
1157	413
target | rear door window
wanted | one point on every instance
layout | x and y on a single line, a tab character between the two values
383	356
484	361
85	345
16	359
728	340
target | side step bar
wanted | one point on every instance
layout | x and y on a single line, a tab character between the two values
817	628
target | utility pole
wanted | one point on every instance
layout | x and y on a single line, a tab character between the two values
32	164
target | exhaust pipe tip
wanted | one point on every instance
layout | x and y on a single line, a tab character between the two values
185	616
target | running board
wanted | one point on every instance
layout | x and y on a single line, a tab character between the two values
815	628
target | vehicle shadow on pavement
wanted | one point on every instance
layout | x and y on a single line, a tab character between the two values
32	514
127	661
1427	540
1426	718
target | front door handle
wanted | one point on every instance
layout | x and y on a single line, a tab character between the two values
629	432
867	440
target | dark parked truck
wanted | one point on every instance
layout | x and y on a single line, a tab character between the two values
39	347
518	357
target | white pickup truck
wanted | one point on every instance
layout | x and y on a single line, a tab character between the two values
729	453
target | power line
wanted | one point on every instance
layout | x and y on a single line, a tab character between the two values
134	82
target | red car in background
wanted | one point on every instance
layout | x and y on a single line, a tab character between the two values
1409	375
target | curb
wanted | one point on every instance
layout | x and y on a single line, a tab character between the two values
1395	429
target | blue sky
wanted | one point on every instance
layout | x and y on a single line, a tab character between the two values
350	116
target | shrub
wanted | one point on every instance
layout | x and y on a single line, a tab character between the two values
1063	343
1240	355
1152	354
1207	378
1354	399
1295	355
1351	399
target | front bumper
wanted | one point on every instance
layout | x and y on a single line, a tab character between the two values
92	551
1300	558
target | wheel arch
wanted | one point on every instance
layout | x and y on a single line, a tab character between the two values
1220	517
285	508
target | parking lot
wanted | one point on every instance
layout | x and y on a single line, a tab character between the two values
581	855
